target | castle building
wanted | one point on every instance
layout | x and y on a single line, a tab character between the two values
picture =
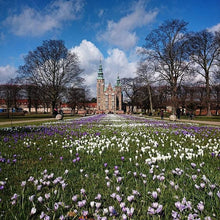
109	99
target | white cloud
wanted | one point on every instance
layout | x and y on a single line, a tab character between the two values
6	73
215	28
116	63
36	23
122	33
89	57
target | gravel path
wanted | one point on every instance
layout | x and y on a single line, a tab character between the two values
9	123
216	123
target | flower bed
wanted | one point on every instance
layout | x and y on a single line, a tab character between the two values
110	167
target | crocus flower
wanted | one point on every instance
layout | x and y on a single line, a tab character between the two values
218	194
159	209
92	203
151	211
98	205
47	195
61	217
33	211
130	198
98	197
14	197
154	194
200	206
130	211
193	165
40	199
56	206
42	215
31	198
81	203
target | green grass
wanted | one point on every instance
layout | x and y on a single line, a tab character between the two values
23	117
16	121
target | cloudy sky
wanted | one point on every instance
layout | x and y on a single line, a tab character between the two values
106	30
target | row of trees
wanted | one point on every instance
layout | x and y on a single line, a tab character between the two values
15	94
51	74
190	97
174	58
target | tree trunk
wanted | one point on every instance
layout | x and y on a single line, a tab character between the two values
174	99
200	111
150	98
53	106
208	95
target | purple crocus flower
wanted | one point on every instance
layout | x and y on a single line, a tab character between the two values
154	194
200	206
74	198
151	211
218	194
159	209
14	197
98	197
130	198
180	206
81	203
193	165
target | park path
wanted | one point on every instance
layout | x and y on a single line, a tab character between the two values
9	123
215	123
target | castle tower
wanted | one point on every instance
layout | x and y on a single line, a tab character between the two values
109	99
118	93
100	89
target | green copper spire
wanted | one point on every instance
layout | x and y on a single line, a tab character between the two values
118	83
100	73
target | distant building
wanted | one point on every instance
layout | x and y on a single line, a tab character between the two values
109	99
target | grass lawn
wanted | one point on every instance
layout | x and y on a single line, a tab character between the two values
13	121
23	117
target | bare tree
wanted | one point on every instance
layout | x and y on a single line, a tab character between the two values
10	94
160	99
204	52
145	72
166	46
51	66
34	96
131	86
76	96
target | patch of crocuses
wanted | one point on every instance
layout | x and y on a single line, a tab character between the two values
110	167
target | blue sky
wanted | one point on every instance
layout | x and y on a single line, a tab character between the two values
110	30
